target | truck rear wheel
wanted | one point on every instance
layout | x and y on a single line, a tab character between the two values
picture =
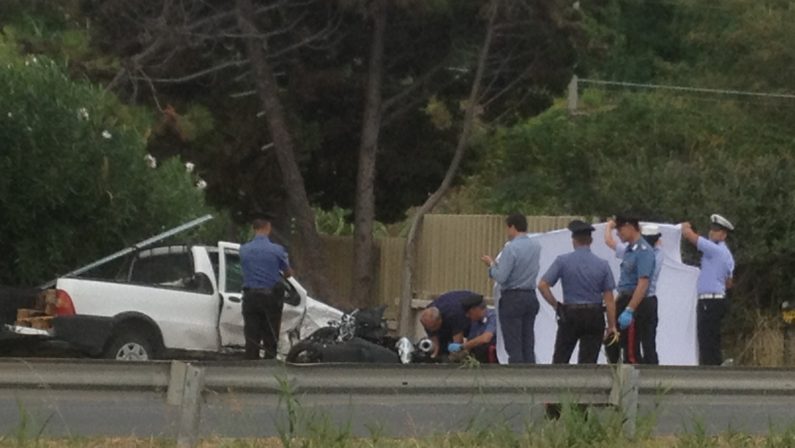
129	345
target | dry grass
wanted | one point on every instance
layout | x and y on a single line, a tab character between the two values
132	442
465	440
765	346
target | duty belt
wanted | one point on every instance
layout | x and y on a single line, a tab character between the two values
582	306
711	296
263	291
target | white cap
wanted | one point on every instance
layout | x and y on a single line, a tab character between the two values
721	221
649	230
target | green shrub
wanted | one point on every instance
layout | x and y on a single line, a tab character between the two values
74	182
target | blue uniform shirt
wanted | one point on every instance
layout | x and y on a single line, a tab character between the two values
638	262
263	263
585	276
717	266
454	319
487	324
518	264
659	259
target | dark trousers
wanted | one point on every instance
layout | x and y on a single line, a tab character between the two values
709	314
262	320
585	324
639	340
518	310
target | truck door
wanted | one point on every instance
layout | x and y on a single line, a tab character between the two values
230	286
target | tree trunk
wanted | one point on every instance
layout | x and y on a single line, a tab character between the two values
406	285
364	213
312	256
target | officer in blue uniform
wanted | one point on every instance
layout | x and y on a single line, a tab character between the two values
445	321
587	291
715	278
650	233
516	273
637	312
264	264
482	338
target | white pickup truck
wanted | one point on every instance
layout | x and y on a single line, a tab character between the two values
171	300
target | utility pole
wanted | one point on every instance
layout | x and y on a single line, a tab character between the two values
571	104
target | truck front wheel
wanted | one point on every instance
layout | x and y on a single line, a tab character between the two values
129	345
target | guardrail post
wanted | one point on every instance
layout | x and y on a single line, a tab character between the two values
624	394
176	383
190	411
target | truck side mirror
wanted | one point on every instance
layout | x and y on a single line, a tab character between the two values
200	283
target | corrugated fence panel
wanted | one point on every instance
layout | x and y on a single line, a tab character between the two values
448	255
389	253
339	263
451	247
389	270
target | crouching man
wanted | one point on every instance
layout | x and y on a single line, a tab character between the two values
445	321
481	342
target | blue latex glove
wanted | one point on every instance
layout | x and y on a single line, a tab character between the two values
454	347
625	319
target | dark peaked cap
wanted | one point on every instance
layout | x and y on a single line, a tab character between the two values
266	216
578	227
471	302
627	219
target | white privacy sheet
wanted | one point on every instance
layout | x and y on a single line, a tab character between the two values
676	292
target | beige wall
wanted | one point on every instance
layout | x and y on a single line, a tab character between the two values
449	254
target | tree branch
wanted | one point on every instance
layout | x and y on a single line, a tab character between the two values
199	74
417	84
452	170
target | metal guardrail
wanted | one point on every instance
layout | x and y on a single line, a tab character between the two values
362	379
182	384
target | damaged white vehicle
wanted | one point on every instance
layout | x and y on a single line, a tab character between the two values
147	302
167	301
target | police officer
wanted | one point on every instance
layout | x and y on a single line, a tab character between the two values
717	269
587	286
516	272
481	340
445	320
264	263
637	312
650	233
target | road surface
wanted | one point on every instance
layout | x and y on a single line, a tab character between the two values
145	414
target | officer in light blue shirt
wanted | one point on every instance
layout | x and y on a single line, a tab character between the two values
717	269
637	310
516	272
587	286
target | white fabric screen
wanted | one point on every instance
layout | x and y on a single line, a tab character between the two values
676	291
